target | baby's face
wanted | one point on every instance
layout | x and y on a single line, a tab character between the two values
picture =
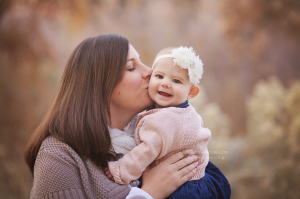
169	85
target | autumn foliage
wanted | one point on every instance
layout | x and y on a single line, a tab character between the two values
250	91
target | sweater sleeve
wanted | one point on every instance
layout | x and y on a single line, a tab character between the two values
60	173
152	141
56	176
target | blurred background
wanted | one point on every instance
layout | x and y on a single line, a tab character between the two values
250	92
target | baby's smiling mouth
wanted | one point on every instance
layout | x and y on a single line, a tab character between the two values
164	94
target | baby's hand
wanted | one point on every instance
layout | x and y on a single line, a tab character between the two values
108	174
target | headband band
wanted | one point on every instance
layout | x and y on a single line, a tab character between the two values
160	57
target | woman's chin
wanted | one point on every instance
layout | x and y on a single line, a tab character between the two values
148	103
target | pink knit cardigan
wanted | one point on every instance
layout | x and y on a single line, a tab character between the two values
159	134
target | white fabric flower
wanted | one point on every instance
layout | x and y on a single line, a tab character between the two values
186	58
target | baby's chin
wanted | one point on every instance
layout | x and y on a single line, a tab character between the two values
161	106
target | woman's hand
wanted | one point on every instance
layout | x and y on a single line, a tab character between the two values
167	176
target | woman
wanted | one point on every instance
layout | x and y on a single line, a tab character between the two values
97	94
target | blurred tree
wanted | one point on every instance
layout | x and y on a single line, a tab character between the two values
246	17
241	42
27	77
264	36
269	162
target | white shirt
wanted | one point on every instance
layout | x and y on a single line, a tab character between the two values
136	193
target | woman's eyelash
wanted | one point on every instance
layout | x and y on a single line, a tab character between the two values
131	69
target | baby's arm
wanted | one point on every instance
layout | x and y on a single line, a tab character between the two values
108	174
131	166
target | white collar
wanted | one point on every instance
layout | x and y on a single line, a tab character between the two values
123	140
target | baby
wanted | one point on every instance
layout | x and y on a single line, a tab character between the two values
172	124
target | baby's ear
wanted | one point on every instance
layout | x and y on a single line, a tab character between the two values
194	90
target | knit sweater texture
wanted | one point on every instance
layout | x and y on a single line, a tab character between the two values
159	134
59	172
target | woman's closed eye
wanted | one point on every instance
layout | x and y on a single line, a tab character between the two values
176	81
131	68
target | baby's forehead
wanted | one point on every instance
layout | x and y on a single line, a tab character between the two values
170	67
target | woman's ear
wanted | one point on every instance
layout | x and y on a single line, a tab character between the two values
194	90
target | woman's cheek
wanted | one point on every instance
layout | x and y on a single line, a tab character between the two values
151	91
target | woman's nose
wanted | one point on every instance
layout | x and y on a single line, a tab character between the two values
147	72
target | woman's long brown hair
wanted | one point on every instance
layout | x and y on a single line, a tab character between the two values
80	113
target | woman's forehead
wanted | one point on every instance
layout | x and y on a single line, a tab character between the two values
132	53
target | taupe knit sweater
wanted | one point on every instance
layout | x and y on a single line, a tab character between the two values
59	172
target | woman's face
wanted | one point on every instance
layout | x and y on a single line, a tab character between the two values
131	94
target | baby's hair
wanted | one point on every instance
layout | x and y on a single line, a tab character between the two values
164	51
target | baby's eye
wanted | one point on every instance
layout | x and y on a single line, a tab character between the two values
176	81
159	76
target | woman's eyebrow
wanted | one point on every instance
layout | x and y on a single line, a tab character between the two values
133	59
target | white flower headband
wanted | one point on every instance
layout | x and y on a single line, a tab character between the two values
186	58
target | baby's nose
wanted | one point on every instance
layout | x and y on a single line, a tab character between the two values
166	84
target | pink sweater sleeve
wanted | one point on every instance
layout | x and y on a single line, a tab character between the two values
152	140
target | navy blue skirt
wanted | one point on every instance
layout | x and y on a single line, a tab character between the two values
213	185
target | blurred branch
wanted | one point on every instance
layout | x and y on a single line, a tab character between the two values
4	6
245	17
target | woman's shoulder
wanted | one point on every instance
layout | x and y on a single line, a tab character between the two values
55	170
55	146
54	150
